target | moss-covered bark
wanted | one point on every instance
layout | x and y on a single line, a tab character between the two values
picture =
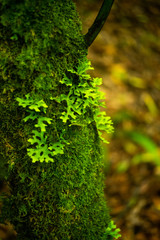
40	41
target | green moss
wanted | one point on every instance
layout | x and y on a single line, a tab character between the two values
40	44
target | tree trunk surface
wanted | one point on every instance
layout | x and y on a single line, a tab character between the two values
50	151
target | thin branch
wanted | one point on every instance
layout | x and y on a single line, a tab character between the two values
99	22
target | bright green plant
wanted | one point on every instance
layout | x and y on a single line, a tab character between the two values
42	151
111	232
81	96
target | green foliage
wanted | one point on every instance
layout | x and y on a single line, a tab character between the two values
32	104
103	123
111	232
42	151
83	94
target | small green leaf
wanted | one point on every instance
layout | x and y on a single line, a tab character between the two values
96	81
57	148
40	154
64	117
31	103
35	106
66	81
82	68
111	232
37	138
32	116
41	123
14	37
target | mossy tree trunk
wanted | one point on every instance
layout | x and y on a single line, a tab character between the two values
49	135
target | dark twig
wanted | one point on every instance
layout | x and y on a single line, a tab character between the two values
99	22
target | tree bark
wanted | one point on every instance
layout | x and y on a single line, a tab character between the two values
56	192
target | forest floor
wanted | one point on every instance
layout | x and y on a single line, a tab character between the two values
126	55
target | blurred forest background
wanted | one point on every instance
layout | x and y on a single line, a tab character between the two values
126	55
